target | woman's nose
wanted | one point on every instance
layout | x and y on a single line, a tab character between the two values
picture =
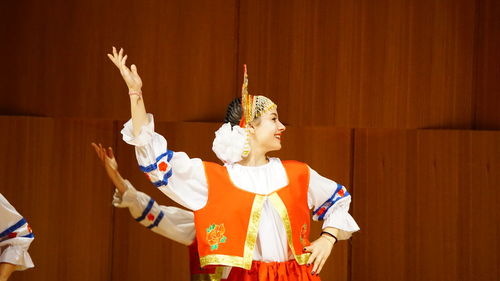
282	127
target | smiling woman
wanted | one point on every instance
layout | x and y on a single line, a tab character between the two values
251	214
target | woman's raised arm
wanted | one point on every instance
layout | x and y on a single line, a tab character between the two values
134	84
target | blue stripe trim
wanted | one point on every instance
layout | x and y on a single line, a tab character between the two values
154	166
31	235
146	211
165	179
339	187
333	203
157	220
14	227
170	154
330	202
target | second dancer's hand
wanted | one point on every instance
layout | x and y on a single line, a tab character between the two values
130	76
111	166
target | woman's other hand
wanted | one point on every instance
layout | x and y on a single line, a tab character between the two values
320	250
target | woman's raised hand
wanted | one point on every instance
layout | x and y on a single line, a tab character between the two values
130	76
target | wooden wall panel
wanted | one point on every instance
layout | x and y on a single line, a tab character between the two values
55	64
487	88
390	64
151	257
329	152
50	174
426	202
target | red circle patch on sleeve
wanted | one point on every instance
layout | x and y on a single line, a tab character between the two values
163	166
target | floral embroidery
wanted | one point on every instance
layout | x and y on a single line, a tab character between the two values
147	176
162	166
12	235
215	235
151	217
29	228
303	235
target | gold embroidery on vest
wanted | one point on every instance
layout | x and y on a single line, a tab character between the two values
303	235
215	235
281	208
252	231
217	276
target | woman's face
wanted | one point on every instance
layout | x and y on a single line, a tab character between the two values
267	132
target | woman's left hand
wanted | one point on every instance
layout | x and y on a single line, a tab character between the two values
320	250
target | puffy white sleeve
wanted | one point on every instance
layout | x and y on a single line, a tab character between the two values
15	237
181	178
171	222
330	202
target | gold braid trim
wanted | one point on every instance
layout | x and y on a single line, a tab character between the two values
281	208
252	231
217	276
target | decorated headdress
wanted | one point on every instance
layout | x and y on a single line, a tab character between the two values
253	107
231	145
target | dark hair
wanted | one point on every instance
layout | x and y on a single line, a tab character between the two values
233	112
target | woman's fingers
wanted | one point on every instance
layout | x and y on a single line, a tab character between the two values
317	262
98	151
124	60
323	261
312	257
120	55
134	69
110	153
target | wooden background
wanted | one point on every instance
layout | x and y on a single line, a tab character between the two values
396	99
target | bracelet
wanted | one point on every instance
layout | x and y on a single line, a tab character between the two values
331	235
135	93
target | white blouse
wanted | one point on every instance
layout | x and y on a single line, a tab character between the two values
15	237
171	222
183	180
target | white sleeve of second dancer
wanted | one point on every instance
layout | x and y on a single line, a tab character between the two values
171	222
181	178
15	237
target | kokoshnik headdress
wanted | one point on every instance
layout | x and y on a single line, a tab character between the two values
231	145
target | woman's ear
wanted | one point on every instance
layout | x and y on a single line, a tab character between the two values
250	129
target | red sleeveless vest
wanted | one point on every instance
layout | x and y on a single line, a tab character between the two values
226	228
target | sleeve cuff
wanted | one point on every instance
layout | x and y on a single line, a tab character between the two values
145	135
17	256
342	221
126	199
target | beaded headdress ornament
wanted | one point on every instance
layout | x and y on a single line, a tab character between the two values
231	143
253	106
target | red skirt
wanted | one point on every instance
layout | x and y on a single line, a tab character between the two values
273	271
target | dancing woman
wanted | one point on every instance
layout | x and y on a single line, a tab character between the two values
252	213
15	239
170	222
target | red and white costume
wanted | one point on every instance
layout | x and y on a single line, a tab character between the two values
15	237
184	180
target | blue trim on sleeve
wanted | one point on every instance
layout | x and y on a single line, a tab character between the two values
157	220
146	169
14	227
330	202
170	154
164	181
31	235
146	211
